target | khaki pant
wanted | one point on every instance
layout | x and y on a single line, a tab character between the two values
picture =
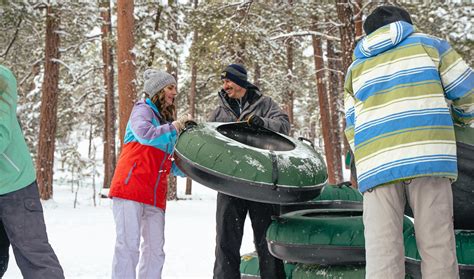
431	199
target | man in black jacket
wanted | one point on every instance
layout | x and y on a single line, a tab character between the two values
242	101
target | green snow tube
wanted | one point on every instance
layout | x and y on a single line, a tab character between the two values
342	196
320	236
464	252
250	269
304	271
250	163
463	187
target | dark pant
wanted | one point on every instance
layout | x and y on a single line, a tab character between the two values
4	246
22	216
230	218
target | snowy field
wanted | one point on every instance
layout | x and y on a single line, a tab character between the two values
83	237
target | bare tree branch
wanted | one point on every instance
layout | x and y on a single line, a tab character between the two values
246	13
5	53
304	33
235	4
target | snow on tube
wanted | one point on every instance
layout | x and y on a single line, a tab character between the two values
305	271
342	196
250	269
250	163
464	251
320	236
463	188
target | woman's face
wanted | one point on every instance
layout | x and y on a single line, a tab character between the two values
170	94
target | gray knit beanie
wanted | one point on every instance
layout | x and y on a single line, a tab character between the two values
155	80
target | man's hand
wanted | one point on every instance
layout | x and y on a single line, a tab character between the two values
255	121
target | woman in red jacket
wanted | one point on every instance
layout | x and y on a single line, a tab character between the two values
140	181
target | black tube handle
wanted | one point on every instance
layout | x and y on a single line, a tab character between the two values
188	125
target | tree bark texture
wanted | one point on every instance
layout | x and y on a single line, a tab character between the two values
108	72
335	97
49	103
347	33
125	62
289	67
358	18
324	108
192	97
257	74
172	68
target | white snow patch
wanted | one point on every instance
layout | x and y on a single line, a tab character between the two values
251	161
84	238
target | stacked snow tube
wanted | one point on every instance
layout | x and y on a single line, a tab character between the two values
324	272
250	269
251	163
464	252
320	236
341	196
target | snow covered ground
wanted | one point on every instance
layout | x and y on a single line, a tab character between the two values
83	237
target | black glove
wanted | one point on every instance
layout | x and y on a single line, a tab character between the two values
255	121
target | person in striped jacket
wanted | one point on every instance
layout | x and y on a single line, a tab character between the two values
403	94
140	181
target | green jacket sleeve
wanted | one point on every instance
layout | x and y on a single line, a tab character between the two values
8	101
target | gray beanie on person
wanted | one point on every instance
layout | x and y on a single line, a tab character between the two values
155	80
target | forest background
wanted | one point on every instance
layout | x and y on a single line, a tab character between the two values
79	66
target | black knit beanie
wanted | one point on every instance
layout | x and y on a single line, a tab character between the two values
237	74
384	15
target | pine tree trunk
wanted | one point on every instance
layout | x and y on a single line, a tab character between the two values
108	72
324	108
172	68
157	27
257	74
358	18
192	97
334	97
347	33
49	101
289	66
125	62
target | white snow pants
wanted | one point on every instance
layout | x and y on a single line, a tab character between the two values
134	220
431	199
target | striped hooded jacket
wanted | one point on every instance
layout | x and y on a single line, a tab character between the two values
402	93
145	162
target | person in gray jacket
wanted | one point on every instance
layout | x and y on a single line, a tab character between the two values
242	101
